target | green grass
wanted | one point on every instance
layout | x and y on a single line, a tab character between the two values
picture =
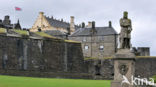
92	58
2	30
145	56
154	77
14	81
22	32
42	34
72	41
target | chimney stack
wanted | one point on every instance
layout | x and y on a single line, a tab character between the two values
51	17
83	25
7	20
41	14
0	21
68	29
89	24
110	24
93	24
62	20
72	24
93	30
71	19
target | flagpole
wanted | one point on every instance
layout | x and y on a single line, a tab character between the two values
14	17
16	9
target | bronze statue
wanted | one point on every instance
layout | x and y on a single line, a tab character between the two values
125	34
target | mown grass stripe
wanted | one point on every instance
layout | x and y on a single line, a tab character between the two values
15	81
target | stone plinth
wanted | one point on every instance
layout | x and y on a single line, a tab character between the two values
124	53
124	65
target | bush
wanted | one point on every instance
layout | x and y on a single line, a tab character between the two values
154	77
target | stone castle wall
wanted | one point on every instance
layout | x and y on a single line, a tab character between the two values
104	69
27	56
145	67
23	54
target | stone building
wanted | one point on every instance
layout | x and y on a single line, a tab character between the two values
58	28
97	42
6	23
142	51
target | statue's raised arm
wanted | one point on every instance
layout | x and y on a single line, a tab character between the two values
125	34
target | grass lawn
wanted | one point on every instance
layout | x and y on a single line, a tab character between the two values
42	34
15	81
22	32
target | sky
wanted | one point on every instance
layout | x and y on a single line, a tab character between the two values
141	12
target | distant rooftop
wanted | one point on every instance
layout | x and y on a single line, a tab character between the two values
54	32
100	31
59	23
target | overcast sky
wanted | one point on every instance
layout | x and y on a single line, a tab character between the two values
141	12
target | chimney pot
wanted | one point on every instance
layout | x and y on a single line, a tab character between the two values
110	24
41	13
72	16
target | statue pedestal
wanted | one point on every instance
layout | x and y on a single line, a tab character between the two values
124	65
124	53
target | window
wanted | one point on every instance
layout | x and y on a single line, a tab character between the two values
102	38
86	47
101	47
84	39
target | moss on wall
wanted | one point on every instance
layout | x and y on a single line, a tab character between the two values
145	56
92	58
72	41
21	32
42	34
2	30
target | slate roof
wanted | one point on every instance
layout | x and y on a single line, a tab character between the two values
8	26
100	31
0	21
58	23
55	32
